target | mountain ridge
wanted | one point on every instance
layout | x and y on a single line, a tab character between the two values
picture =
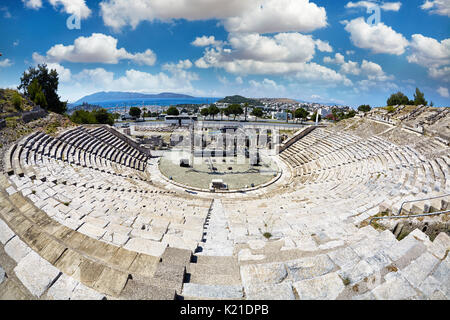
105	96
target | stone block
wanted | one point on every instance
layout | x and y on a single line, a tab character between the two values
5	232
326	287
212	291
35	273
17	249
279	291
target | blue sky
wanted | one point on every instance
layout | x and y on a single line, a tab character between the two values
346	52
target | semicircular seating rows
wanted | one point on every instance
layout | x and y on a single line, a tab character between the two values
84	210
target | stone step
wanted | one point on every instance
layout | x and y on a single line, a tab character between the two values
140	290
193	291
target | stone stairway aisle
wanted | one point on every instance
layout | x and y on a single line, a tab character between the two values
216	237
213	277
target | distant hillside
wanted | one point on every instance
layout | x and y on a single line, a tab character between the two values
279	100
84	106
116	95
240	99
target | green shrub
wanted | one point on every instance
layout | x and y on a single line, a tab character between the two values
17	100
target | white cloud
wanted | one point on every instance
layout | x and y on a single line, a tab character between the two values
251	16
293	47
281	54
16	43
76	7
266	83
387	6
147	58
64	74
223	80
323	46
440	73
269	16
429	52
98	48
338	58
432	54
33	4
440	7
179	70
5	63
370	69
205	41
239	80
378	38
443	92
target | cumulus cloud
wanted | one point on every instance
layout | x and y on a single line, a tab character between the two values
252	16
440	7
429	52
33	4
443	92
64	74
180	70
205	41
5	63
432	54
76	7
378	38
372	70
386	6
440	73
98	48
281	54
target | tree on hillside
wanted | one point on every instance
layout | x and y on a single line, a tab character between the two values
245	108
398	99
235	110
173	111
35	93
314	116
102	116
83	117
419	98
364	108
204	112
257	112
301	113
49	81
213	110
227	111
135	112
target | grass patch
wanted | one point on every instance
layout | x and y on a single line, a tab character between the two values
12	122
392	268
346	281
52	128
402	235
267	235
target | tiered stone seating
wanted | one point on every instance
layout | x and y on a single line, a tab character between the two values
82	218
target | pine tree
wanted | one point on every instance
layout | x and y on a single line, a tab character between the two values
419	98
